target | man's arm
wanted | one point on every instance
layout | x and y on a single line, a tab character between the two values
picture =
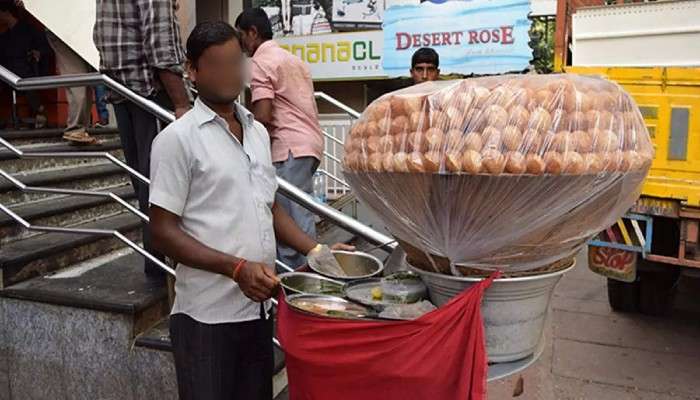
262	91
256	280
171	240
289	233
175	87
163	49
262	109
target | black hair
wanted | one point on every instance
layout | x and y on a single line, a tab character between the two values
207	34
425	55
9	6
255	17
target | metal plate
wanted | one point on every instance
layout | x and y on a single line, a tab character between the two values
329	307
308	283
613	263
504	370
400	288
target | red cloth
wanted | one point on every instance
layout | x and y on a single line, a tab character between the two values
439	356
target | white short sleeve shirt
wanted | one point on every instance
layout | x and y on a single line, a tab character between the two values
223	192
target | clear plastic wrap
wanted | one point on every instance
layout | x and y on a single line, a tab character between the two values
510	172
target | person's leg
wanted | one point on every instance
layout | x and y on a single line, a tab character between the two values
204	359
146	128
255	364
79	99
299	172
101	103
134	124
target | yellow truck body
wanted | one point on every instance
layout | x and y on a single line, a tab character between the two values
669	99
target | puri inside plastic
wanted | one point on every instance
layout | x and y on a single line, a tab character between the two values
510	173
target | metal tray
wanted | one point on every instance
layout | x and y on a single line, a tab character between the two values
329	307
360	291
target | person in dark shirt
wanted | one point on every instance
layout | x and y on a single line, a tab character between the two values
25	51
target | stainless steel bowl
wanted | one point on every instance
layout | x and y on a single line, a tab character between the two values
308	283
514	310
356	264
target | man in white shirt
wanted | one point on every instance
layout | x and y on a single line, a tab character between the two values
212	210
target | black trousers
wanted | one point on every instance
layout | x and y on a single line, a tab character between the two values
137	129
229	361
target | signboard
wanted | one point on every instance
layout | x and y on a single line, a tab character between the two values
358	11
313	17
353	55
480	36
477	36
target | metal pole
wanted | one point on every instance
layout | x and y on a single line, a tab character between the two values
15	117
338	104
344	221
286	188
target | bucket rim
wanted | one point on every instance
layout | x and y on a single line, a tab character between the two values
504	280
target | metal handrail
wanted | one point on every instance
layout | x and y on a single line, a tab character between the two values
287	189
37	189
100	232
335	178
338	104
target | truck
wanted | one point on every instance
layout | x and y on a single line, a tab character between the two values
651	49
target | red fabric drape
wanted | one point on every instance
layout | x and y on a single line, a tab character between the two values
440	356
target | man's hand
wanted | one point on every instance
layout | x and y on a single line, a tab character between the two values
257	282
343	246
321	260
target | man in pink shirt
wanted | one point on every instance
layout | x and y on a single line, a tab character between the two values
283	100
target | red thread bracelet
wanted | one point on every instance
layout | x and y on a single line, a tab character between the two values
237	269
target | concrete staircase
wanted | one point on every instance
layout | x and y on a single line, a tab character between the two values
71	305
25	254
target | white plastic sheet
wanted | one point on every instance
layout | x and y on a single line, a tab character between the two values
508	172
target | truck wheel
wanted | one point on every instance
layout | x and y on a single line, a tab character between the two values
657	287
623	296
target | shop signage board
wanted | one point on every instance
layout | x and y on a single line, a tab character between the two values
477	36
352	55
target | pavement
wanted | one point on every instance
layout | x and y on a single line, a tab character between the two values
593	353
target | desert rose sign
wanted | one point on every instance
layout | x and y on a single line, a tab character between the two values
480	36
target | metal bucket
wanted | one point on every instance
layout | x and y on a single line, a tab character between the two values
514	309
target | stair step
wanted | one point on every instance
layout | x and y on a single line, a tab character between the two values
38	255
118	286
85	177
11	163
158	338
55	135
75	331
62	211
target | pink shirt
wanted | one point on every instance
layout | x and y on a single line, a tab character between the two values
285	79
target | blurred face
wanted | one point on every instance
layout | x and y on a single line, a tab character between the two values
424	72
218	74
